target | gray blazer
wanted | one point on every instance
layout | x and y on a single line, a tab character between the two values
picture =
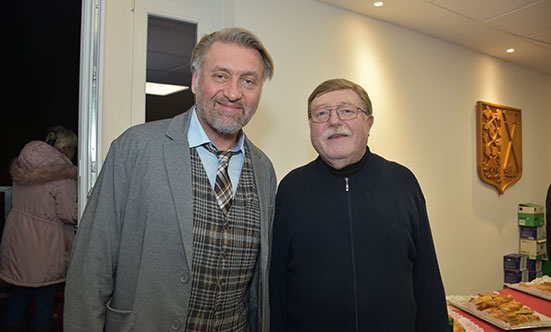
130	267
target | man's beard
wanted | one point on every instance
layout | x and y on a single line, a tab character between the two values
214	117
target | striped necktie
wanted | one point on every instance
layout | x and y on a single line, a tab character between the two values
222	187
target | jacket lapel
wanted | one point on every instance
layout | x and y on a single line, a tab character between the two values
177	160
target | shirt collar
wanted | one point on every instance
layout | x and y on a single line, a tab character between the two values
196	134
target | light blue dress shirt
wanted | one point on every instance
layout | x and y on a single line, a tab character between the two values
197	137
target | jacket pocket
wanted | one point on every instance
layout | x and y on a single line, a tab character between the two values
119	320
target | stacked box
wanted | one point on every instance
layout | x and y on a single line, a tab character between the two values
532	232
515	262
534	267
515	276
534	274
534	249
530	214
527	264
515	268
531	223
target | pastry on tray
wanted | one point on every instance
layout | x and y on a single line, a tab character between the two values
540	287
544	286
504	308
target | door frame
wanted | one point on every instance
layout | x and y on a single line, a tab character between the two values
208	15
90	97
107	108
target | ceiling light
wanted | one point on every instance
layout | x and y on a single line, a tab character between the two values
159	89
511	50
378	3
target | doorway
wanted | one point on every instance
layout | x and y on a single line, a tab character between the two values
169	46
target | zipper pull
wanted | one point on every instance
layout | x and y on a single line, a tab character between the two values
346	187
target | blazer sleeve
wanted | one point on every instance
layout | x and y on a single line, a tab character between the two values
93	261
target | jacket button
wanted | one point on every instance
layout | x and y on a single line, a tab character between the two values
175	325
184	278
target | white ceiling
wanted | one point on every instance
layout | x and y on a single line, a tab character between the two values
487	26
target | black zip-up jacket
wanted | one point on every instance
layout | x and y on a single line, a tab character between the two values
352	250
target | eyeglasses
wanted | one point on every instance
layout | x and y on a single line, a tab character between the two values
344	112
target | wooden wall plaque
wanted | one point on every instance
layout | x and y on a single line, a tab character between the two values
499	144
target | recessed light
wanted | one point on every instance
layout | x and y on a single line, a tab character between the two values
510	50
378	3
162	89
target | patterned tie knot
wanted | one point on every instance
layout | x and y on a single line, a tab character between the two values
224	157
222	186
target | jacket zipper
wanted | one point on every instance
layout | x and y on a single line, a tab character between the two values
352	246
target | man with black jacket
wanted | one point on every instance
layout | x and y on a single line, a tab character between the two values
352	248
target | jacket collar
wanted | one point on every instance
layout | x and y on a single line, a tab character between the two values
348	170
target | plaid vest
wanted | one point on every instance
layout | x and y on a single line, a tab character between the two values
225	250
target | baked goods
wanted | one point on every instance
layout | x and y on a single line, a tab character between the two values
544	286
504	308
457	326
540	287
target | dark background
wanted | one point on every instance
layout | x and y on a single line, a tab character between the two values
40	87
42	74
43	70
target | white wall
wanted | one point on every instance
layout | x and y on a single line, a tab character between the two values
424	93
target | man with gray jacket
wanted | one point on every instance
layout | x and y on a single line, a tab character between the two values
175	236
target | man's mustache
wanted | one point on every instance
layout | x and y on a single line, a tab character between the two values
332	131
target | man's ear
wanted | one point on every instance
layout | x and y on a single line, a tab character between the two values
193	79
370	121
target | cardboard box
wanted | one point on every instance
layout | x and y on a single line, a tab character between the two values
515	276
534	249
530	214
532	232
534	265
515	262
534	274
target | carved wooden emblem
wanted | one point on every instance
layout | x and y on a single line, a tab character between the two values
499	144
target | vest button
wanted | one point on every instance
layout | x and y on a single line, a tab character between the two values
184	278
175	325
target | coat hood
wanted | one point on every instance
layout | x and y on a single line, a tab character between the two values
39	163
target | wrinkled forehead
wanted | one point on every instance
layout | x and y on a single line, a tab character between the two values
234	57
336	98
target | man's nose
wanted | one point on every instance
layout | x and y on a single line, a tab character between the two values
233	90
334	117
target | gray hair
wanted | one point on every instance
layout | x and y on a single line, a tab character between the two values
237	36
